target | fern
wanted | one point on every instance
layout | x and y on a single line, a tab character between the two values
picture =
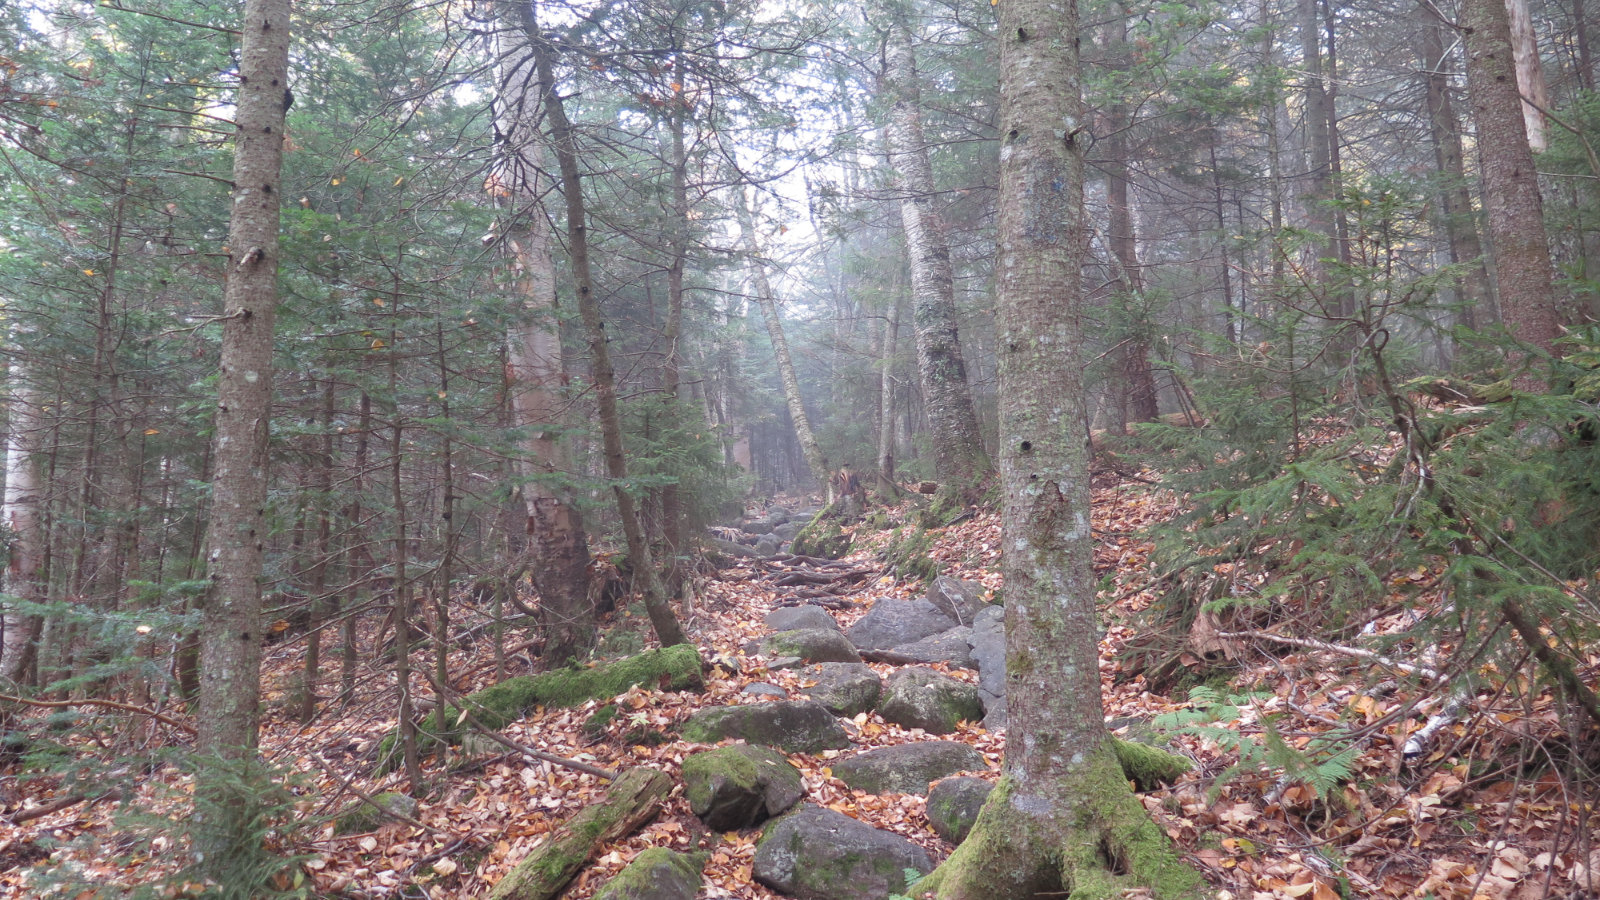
1323	765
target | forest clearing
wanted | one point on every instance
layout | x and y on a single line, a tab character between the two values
934	449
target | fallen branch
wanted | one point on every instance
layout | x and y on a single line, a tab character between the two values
1357	652
106	704
55	806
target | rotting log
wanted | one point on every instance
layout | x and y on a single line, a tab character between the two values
674	668
631	801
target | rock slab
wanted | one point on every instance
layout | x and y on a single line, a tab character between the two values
740	786
657	874
953	647
793	726
953	806
908	768
791	618
845	689
815	853
813	645
960	600
936	703
892	622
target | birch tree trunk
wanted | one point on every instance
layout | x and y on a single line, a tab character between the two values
555	529
1062	817
1530	72
230	638
1511	201
564	142
815	460
959	458
24	442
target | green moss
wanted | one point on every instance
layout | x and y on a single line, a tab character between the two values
672	668
366	817
907	555
1147	766
822	537
656	872
599	720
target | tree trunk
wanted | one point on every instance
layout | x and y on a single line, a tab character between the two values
667	629
1062	817
534	366
1530	71
815	460
23	498
959	460
230	635
1461	229
1321	193
1511	201
1138	381
891	334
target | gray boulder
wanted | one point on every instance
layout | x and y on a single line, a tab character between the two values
812	645
762	689
953	806
657	874
787	530
994	715
922	698
790	725
988	643
815	853
960	600
892	622
846	689
792	618
740	786
953	647
767	545
908	768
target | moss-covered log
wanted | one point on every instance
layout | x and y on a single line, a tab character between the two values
1108	847
632	800
675	668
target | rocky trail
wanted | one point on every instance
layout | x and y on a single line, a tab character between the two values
840	726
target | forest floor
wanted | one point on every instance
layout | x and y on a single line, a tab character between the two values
1482	815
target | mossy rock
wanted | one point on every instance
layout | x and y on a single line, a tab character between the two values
740	786
657	874
364	816
811	645
936	703
791	726
906	555
907	768
822	538
953	806
674	668
815	853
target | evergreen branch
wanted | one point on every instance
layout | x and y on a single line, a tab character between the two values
108	704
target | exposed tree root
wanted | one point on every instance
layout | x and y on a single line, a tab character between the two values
1084	836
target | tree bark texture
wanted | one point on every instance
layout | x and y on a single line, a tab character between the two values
959	458
564	142
1062	817
815	460
1461	229
1511	202
556	534
230	633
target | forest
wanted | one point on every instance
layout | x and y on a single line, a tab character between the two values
782	449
